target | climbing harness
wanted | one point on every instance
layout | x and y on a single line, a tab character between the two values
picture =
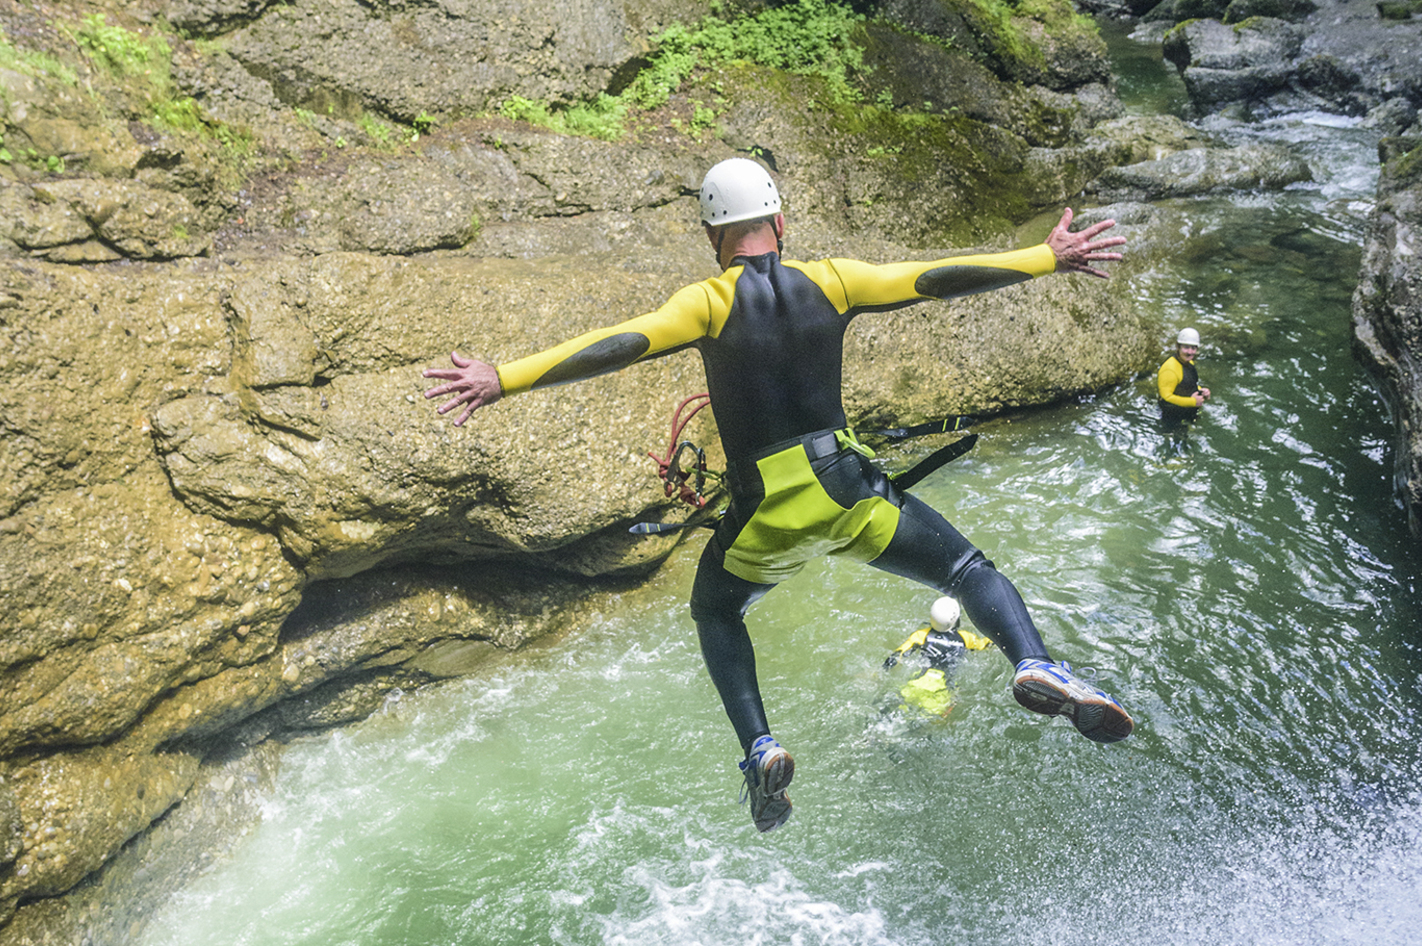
683	468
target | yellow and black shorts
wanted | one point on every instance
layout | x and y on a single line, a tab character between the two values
800	499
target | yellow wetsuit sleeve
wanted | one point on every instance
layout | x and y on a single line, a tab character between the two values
683	319
867	286
1171	374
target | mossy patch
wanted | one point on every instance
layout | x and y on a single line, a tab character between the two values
1404	169
34	63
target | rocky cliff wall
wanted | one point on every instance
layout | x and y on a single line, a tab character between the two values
1387	310
227	252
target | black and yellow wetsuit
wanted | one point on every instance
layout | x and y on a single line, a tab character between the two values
1176	383
771	338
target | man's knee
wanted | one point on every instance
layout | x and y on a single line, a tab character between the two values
727	598
971	566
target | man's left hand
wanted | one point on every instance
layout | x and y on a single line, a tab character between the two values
1076	251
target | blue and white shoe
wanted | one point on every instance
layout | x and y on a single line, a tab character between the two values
1053	690
768	769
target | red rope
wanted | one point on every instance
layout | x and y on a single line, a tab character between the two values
680	488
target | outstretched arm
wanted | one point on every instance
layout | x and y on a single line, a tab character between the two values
865	287
473	383
683	319
1076	251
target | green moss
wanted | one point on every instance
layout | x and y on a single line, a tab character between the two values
934	179
179	114
1406	168
36	64
1179	28
1003	39
121	51
1399	9
804	37
1001	30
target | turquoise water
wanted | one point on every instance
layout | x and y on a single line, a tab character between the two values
1252	598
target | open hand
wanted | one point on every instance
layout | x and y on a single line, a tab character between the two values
1076	251
473	383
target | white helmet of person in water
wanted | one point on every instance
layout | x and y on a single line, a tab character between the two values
945	614
1188	336
737	189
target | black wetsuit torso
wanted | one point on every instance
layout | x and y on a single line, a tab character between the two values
774	372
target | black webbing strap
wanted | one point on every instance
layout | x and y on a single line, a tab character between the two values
945	425
933	461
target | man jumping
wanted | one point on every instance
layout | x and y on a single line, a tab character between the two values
771	337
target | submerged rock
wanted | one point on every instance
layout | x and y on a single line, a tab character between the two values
1203	171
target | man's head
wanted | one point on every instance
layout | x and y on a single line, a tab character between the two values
740	209
737	189
1188	342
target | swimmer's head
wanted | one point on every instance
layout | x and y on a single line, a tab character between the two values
945	614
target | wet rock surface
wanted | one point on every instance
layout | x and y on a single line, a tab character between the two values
1387	310
1343	56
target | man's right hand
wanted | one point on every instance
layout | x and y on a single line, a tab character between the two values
1076	252
473	383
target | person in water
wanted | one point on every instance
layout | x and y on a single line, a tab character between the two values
771	337
939	646
1178	383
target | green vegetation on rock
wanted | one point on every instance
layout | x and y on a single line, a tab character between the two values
121	51
806	37
34	64
820	39
146	62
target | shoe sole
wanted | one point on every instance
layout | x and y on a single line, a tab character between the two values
777	775
775	813
1094	716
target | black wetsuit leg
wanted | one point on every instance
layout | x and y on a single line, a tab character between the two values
927	549
719	601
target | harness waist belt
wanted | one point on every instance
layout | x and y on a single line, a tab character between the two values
743	476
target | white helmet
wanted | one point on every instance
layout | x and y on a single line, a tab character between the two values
945	614
737	189
1188	336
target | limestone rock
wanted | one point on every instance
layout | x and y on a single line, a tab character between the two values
1229	63
334	56
1063	57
